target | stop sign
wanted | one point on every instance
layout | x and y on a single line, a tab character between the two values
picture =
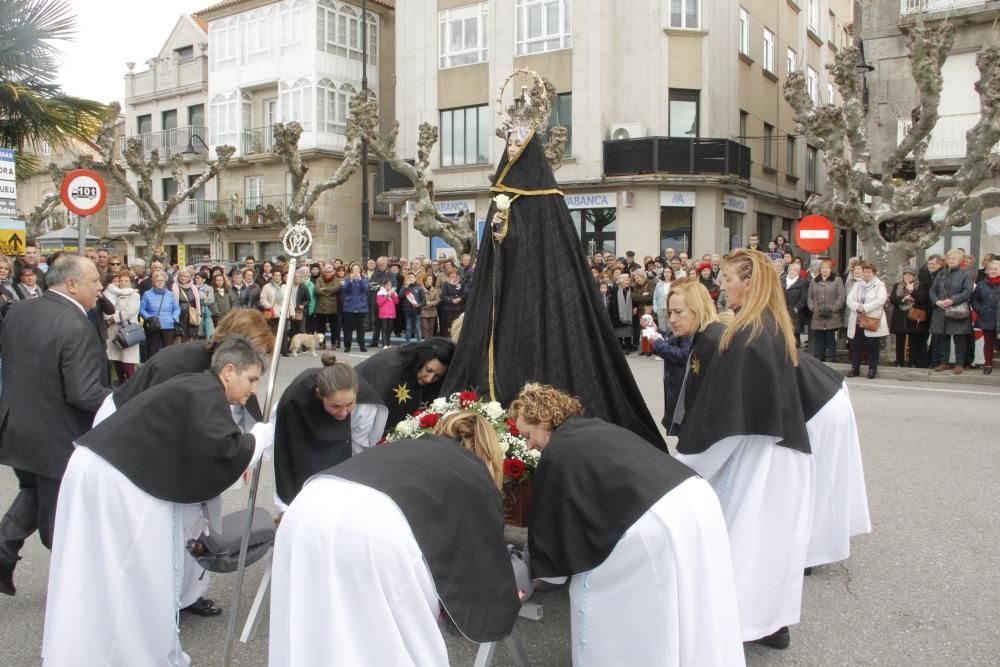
814	234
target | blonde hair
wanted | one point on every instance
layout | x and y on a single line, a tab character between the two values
544	404
249	323
476	434
697	299
764	295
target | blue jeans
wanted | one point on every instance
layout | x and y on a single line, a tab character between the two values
412	325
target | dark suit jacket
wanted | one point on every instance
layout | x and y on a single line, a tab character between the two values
54	377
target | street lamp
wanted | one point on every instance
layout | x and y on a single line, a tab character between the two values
863	68
190	147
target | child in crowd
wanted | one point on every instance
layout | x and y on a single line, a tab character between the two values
648	327
386	299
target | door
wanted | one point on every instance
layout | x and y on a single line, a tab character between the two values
170	140
196	128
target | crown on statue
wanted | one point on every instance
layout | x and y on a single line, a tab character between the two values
530	110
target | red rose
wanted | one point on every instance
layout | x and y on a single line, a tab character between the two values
418	412
467	398
513	469
429	419
512	427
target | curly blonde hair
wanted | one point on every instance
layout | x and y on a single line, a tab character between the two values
544	404
476	434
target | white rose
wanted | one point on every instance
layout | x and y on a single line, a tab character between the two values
502	202
535	453
493	410
403	428
439	404
504	446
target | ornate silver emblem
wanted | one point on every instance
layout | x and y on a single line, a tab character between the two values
297	239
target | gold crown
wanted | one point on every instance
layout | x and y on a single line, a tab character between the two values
530	110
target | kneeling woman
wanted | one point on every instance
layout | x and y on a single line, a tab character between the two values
375	552
324	416
744	431
641	534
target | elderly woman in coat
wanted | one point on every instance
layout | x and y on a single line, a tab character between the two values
126	300
986	303
951	318
868	297
907	323
826	299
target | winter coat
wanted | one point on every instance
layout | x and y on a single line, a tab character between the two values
311	289
224	301
419	298
432	298
161	304
900	322
642	295
326	295
450	292
986	303
827	294
386	302
674	350
954	284
355	295
874	306
796	297
126	303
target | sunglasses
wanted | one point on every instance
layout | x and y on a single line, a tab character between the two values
116	263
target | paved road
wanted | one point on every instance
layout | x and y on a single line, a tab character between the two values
922	589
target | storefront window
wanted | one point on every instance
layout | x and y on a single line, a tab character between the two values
733	223
597	228
676	228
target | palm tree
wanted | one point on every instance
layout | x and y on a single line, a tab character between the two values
33	108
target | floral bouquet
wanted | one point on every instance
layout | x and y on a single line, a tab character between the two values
519	461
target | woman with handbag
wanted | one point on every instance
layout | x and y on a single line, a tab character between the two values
189	300
160	311
952	316
866	304
907	317
126	299
986	303
206	295
826	298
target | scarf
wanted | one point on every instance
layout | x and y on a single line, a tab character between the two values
863	287
994	281
625	304
791	278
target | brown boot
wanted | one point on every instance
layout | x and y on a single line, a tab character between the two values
958	369
941	367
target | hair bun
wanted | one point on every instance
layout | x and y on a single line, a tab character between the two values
328	358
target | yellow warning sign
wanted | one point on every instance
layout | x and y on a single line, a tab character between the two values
12	237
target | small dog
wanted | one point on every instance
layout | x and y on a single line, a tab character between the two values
308	341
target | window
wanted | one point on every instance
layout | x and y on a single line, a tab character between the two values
812	84
222	35
791	59
296	103
338	31
769	146
597	228
685	14
744	32
766	230
196	115
732	221
292	18
184	53
543	25
144	124
465	136
462	34
683	113
562	115
812	156
332	106
744	117
168	119
224	115
768	51
829	93
255	35
812	15
270	109
791	167
253	191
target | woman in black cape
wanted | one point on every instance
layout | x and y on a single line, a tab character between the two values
533	312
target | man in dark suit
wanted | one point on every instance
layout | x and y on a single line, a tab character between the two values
54	360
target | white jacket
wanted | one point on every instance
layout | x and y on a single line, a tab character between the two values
874	306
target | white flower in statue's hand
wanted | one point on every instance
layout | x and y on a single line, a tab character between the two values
535	453
493	410
439	404
502	202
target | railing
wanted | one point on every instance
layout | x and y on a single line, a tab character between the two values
190	213
257	141
677	155
191	138
947	141
921	6
262	210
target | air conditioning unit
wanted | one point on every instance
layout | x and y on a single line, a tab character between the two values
626	131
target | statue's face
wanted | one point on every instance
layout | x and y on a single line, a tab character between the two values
515	142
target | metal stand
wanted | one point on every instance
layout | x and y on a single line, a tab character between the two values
253	618
484	658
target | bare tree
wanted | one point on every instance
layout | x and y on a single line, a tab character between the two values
153	218
902	218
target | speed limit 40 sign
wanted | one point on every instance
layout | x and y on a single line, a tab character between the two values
83	192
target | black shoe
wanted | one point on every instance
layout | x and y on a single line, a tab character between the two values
7	579
853	373
780	640
987	370
203	607
871	373
364	349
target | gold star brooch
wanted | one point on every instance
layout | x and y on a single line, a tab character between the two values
402	393
695	365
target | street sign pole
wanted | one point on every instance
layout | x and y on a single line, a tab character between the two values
81	228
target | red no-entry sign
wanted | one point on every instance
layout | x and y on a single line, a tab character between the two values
814	234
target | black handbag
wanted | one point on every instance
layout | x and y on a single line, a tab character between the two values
129	334
153	323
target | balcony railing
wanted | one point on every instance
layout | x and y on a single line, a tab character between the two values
948	138
168	142
921	6
258	140
190	213
676	155
250	211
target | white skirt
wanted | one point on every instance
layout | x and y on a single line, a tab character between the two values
666	590
840	502
766	496
349	584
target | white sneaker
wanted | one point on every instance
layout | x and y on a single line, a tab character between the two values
386	347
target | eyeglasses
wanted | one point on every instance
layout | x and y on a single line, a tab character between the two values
116	263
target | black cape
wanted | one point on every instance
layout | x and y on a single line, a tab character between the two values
750	389
306	438
177	441
594	480
818	383
171	361
455	512
535	296
397	388
704	350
